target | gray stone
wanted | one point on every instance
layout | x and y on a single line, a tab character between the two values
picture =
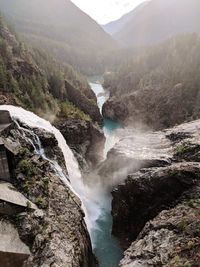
5	117
11	200
13	252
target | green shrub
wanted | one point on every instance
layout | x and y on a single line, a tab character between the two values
28	204
40	202
27	168
182	149
68	110
182	225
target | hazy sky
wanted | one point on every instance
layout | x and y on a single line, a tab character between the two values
105	11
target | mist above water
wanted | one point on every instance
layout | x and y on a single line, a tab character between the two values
106	247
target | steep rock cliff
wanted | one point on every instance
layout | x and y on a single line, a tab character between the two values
157	206
55	232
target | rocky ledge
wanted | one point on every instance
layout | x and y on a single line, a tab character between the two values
85	138
55	231
156	209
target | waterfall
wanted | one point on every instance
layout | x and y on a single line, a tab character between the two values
74	181
96	201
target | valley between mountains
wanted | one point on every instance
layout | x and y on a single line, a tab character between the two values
99	136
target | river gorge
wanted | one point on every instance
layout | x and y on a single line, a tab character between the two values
95	196
99	171
106	247
139	193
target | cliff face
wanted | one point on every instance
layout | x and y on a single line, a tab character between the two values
86	105
86	139
170	239
156	209
158	108
55	231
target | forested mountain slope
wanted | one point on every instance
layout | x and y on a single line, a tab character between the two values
159	87
35	81
160	19
61	28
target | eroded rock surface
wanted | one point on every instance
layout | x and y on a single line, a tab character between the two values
156	209
171	239
146	193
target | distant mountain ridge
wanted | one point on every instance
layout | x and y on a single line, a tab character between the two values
157	21
115	26
62	28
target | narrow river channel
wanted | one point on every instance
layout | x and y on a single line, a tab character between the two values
106	247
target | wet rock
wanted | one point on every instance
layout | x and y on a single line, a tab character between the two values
146	193
115	110
134	151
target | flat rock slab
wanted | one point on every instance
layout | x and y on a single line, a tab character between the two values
4	126
10	194
10	241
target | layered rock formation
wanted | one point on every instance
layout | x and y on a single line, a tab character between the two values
55	232
157	207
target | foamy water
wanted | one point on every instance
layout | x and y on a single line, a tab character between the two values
106	247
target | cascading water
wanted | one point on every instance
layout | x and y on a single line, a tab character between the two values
76	184
96	201
105	245
109	125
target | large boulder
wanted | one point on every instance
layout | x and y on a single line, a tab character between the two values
115	110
